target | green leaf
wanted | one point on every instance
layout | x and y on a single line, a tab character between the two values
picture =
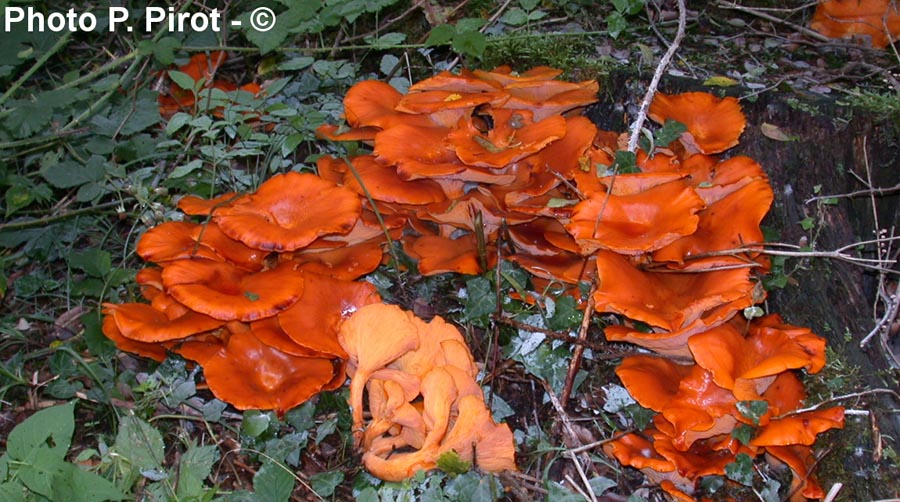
27	117
254	423
670	131
743	433
469	24
566	316
297	63
177	122
626	162
451	463
186	169
616	24
94	262
470	43
286	23
324	483
741	470
164	50
68	174
601	484
50	428
440	35
720	81
754	410
273	483
17	197
514	17
195	466
77	485
139	444
480	300
808	223
183	80
387	40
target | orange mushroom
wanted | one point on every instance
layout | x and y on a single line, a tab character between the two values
800	428
713	124
224	291
143	323
288	212
156	351
383	183
637	223
373	337
439	255
671	301
314	320
876	20
748	365
503	136
249	374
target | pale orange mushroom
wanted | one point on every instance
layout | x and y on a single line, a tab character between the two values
417	152
198	206
550	98
802	462
373	337
713	124
476	438
224	291
288	212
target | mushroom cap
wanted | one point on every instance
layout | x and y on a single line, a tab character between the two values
550	98
224	291
566	267
636	223
504	75
476	438
652	381
634	450
671	301
728	223
345	263
439	255
511	136
156	351
288	212
252	375
313	321
383	183
143	323
735	361
373	337
417	152
800	428
175	240
197	206
713	124
802	462
850	18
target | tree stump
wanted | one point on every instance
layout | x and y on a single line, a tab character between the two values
834	298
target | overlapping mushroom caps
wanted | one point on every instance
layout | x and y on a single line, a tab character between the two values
875	21
236	293
463	168
422	395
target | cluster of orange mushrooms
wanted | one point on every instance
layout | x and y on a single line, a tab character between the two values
876	22
263	291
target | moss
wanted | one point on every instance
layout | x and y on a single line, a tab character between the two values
571	53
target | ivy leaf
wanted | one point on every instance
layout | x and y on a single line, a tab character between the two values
451	463
741	470
17	197
670	131
324	483
754	410
616	24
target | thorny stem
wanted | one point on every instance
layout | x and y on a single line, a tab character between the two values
19	225
657	76
63	40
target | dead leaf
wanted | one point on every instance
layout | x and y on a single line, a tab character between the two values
774	132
